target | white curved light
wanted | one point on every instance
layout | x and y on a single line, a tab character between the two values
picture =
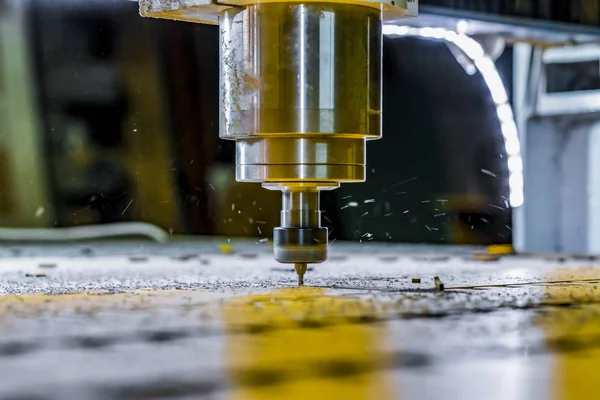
486	67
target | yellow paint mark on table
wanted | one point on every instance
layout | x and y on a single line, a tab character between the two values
572	334
91	302
226	248
307	339
500	249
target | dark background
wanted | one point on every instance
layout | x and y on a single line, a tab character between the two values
128	121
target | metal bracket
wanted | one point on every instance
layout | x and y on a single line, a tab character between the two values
565	102
207	11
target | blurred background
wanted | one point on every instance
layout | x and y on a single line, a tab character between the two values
106	116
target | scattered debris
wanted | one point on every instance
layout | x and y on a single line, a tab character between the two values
350	204
249	256
439	285
583	257
185	257
431	257
138	259
108	292
488	172
486	257
283	269
36	275
556	257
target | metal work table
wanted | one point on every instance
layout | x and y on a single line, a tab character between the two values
185	320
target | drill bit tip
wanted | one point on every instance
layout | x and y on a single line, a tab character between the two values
300	270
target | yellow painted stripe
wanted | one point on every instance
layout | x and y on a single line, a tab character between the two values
500	249
295	352
575	373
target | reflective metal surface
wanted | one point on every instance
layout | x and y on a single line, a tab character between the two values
301	89
301	94
300	209
300	239
286	159
291	173
325	149
300	245
294	68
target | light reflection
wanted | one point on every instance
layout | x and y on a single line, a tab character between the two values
492	78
